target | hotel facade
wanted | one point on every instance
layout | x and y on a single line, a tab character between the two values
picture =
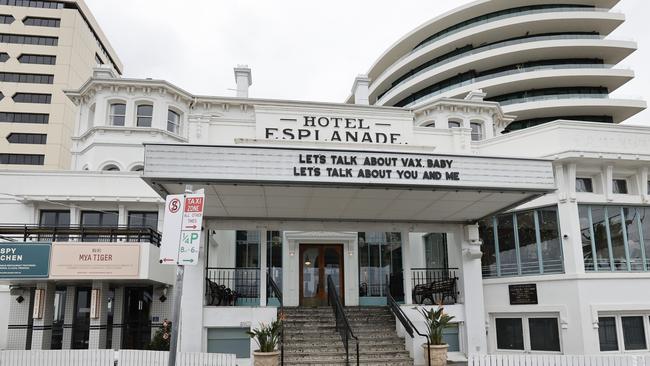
480	164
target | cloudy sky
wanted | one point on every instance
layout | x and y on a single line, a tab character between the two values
297	49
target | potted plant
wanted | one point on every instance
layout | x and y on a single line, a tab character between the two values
267	338
436	321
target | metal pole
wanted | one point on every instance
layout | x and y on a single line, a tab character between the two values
176	313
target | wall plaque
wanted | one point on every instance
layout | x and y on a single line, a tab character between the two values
524	294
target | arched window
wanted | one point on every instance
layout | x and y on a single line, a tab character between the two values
430	124
117	114
111	168
91	116
144	115
173	121
477	131
138	168
453	124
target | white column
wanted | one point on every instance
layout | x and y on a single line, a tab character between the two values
191	317
97	337
406	267
472	288
42	333
263	267
122	215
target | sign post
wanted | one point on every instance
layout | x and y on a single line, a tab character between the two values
180	246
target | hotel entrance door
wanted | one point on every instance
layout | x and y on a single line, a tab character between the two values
316	263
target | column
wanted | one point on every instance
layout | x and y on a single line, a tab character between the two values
118	316
406	267
191	317
472	282
97	337
18	318
263	267
68	316
42	330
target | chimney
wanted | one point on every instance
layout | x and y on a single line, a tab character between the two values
244	79
104	72
360	89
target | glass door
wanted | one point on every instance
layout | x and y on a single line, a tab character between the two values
81	324
137	322
316	263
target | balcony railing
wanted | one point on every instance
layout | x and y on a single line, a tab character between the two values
232	286
434	285
29	233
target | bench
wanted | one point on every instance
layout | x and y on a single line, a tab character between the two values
220	295
444	287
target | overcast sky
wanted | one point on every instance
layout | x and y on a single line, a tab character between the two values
297	49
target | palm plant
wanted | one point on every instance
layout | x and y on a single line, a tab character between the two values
267	336
437	320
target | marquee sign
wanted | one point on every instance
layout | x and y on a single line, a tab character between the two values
24	260
255	164
79	260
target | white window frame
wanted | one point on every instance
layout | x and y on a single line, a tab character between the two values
591	179
111	115
526	332
627	185
178	124
480	130
618	321
138	116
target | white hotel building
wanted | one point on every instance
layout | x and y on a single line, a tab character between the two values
481	158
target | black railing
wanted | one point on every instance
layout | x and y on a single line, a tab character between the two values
273	288
79	234
342	324
232	286
409	327
438	285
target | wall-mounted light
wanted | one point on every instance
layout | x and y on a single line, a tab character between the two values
20	299
292	253
307	261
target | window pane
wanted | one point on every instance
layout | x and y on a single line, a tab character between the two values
616	235
489	258
527	242
633	239
584	185
644	215
633	333
607	334
510	334
544	334
585	235
453	124
620	186
435	250
507	251
550	240
600	237
477	131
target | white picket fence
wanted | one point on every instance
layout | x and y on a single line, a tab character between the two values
110	358
558	360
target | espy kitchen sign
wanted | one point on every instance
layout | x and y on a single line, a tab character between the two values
182	228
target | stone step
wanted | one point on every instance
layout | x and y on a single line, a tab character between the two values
323	326
330	348
330	317
387	341
395	361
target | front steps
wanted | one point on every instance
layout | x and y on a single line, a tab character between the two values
311	337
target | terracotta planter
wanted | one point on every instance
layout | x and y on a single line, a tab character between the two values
438	354
266	358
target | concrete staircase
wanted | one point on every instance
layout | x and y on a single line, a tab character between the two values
311	337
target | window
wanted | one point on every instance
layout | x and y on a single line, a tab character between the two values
6	19
531	333
42	22
477	131
28	39
27	138
16	77
54	218
247	249
380	255
430	124
173	121
521	243
13	117
33	4
22	159
453	124
623	332
435	251
615	238
98	219
111	168
138	168
143	219
98	60
619	186
32	98
37	59
274	256
584	185
4	56
229	340
144	115
117	114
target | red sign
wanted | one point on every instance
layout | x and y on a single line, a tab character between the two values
194	204
174	205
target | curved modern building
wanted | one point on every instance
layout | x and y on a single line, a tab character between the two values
542	60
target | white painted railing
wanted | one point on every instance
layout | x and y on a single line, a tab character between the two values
558	360
110	358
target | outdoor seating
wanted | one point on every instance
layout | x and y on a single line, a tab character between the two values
220	295
443	288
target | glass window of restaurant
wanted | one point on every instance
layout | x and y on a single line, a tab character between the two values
380	260
615	238
521	243
98	219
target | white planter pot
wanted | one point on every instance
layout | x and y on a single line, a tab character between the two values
266	358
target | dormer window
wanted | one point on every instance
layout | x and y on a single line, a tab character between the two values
144	115
117	114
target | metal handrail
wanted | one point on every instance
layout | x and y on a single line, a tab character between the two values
408	325
27	232
278	294
342	324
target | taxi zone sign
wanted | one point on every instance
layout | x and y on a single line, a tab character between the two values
182	228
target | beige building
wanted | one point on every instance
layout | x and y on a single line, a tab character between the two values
45	47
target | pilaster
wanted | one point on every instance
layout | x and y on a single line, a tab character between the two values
98	318
42	330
